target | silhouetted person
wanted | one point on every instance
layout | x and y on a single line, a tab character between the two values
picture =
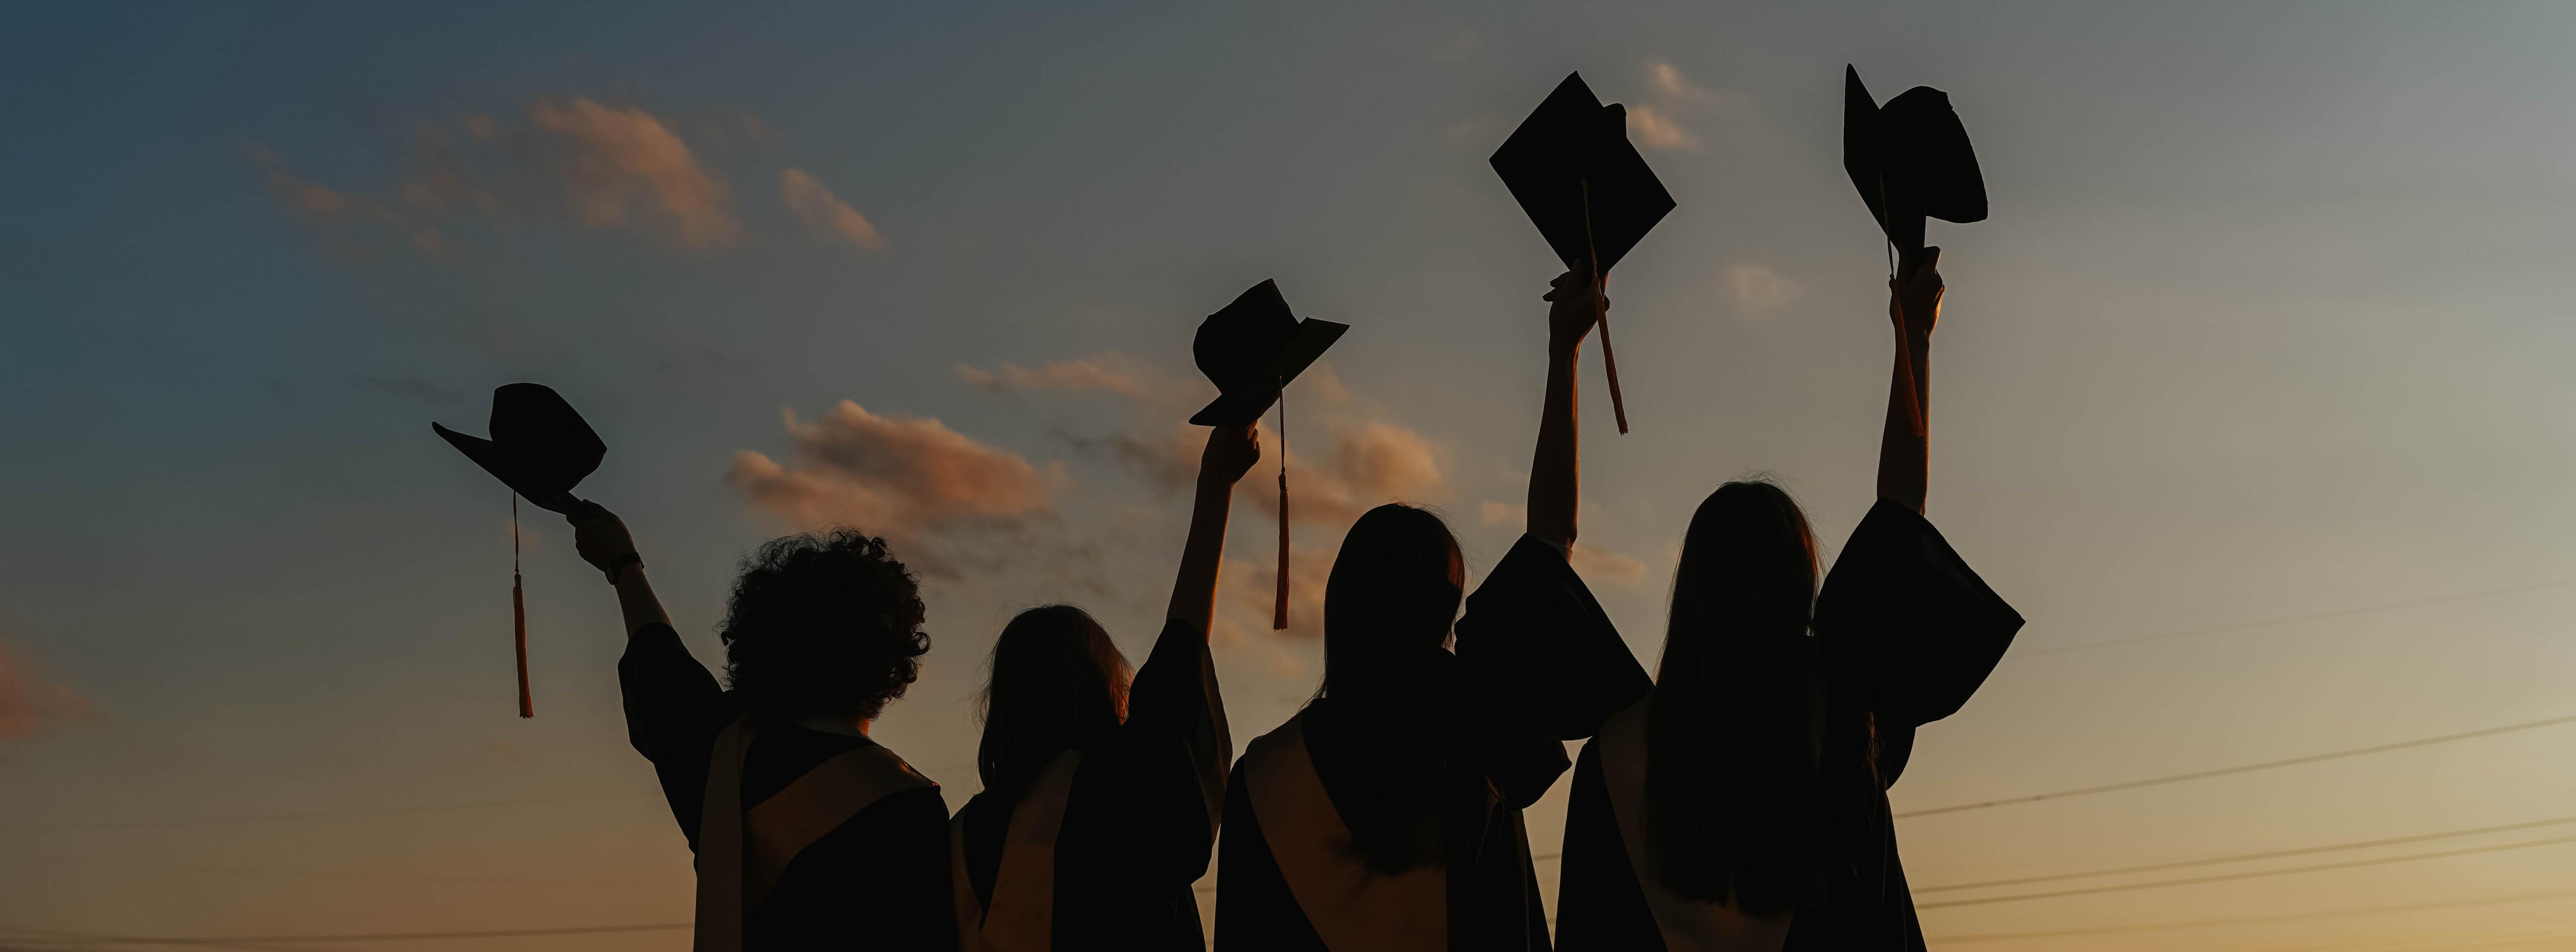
1387	813
1741	804
1101	798
808	835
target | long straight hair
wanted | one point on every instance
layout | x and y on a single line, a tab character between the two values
1735	722
1057	682
1388	606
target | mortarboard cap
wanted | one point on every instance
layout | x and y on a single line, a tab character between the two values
1571	156
1251	349
539	447
1910	159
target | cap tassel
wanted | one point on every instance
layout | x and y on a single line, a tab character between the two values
1279	612
519	612
1601	316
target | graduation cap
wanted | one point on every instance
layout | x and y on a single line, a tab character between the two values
1250	349
1910	159
541	449
1571	167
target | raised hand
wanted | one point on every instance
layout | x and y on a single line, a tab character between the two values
601	537
1231	452
1914	295
1577	306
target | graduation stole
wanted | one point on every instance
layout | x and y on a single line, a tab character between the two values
1352	907
1022	917
741	854
1688	925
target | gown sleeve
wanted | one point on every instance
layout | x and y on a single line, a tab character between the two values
1176	740
1536	647
674	710
1908	627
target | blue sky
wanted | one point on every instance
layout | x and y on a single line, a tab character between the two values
2268	323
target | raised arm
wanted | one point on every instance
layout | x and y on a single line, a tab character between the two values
1904	451
1575	305
603	541
1230	453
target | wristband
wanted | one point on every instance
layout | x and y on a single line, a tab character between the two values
630	558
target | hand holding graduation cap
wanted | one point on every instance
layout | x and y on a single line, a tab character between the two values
601	537
1578	304
1231	453
1914	294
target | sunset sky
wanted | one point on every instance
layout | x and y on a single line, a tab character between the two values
2251	396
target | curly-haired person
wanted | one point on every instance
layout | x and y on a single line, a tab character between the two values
807	833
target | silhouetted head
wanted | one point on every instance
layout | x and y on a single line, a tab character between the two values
1733	728
824	624
1057	683
1388	606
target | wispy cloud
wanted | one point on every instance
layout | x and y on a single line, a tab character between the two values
1103	373
1653	127
896	475
623	168
825	214
1660	125
1758	289
329	208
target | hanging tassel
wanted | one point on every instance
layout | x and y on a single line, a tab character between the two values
1279	613
1609	360
519	612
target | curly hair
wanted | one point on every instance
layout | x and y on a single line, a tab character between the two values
823	624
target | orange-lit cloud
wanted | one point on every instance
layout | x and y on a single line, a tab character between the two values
1756	288
895	475
1366	464
1598	565
1251	589
825	214
1104	373
326	207
623	168
1653	127
31	705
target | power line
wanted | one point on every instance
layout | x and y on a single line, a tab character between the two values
317	814
2247	768
2249	857
82	940
2227	877
2254	920
2295	619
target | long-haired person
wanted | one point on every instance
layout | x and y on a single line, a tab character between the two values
808	834
1101	791
1741	805
1386	815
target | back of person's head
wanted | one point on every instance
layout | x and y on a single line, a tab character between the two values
1057	682
823	624
1388	606
1737	715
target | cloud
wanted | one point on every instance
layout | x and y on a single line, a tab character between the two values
31	705
1367	464
1502	513
1756	288
1251	589
1458	49
895	475
328	208
1103	373
624	168
825	214
1653	127
1597	565
1671	84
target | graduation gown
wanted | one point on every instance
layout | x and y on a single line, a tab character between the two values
1907	632
1133	816
877	880
1535	660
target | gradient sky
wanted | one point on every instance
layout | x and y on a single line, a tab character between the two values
2268	325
